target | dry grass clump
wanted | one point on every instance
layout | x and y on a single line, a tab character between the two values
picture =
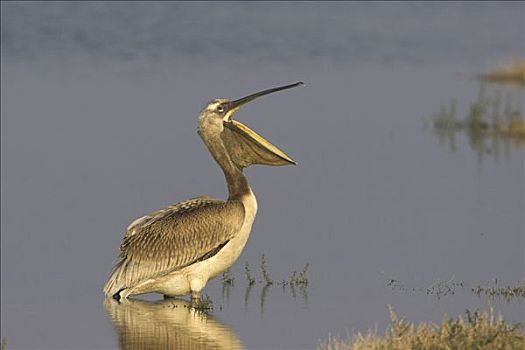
474	331
513	71
227	278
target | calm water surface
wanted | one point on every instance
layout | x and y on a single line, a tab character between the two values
99	127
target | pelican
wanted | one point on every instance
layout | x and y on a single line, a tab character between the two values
176	250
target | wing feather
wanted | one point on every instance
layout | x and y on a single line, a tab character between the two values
173	237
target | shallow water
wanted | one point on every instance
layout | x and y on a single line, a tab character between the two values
94	136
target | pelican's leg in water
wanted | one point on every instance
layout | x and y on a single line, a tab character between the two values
195	295
196	285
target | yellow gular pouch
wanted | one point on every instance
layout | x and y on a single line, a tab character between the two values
246	147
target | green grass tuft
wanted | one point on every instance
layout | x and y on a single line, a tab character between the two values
249	275
264	268
227	278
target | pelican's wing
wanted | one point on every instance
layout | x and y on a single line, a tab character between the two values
172	238
180	207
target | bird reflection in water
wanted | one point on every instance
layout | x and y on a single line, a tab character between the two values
167	324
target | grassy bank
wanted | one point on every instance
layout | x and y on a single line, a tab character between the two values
478	330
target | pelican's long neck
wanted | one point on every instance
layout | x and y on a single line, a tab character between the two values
235	179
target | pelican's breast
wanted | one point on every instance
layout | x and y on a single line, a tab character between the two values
231	251
195	276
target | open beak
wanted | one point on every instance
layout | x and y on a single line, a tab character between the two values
244	145
235	105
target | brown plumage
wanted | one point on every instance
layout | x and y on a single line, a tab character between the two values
172	238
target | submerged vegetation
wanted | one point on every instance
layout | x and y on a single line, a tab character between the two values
472	331
249	276
227	278
295	280
227	282
494	290
441	288
203	305
302	279
485	118
512	72
264	270
491	124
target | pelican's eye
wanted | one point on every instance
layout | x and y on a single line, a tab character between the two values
220	108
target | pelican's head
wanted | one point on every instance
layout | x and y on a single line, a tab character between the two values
244	146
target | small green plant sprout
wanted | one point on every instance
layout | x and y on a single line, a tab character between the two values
264	269
203	305
249	275
302	279
299	278
227	278
293	278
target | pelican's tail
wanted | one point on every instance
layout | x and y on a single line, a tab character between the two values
114	285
